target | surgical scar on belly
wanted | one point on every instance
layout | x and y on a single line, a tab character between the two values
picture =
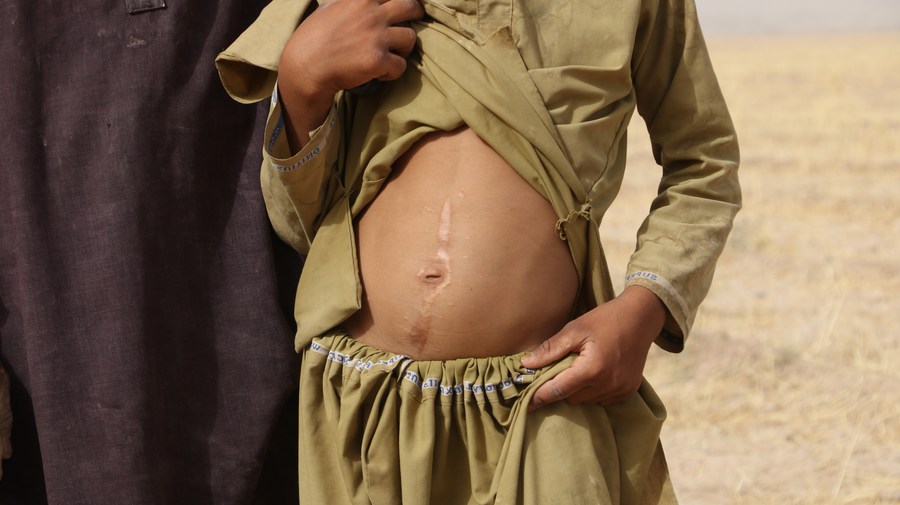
436	274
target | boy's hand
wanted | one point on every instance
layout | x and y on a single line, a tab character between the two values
612	342
341	45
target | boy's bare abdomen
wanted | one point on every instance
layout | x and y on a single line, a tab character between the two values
459	257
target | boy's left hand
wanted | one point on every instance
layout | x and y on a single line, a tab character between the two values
612	342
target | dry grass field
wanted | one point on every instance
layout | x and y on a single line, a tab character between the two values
789	389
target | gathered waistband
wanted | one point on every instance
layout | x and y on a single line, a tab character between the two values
455	380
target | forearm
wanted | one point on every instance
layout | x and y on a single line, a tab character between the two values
302	114
694	141
646	307
300	186
305	102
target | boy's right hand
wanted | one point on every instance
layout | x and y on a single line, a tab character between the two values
341	45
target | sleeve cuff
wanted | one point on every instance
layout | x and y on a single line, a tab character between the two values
277	150
679	317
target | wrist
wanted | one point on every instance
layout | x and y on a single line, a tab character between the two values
303	112
305	97
648	307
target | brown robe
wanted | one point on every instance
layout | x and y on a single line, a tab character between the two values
140	319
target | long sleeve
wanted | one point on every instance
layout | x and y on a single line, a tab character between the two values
300	188
694	141
556	108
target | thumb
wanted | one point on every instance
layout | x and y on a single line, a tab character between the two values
551	350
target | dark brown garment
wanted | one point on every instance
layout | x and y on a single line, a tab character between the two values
139	312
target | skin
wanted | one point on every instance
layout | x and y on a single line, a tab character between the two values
611	341
360	42
441	284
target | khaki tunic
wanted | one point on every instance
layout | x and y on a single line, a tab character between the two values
552	90
550	86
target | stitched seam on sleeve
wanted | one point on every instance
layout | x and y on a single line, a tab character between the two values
310	152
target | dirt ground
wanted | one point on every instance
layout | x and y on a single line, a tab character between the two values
789	389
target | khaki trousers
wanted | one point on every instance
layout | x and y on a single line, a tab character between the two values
379	428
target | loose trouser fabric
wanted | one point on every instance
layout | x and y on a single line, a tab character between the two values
385	429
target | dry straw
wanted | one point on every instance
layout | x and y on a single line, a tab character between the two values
789	390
